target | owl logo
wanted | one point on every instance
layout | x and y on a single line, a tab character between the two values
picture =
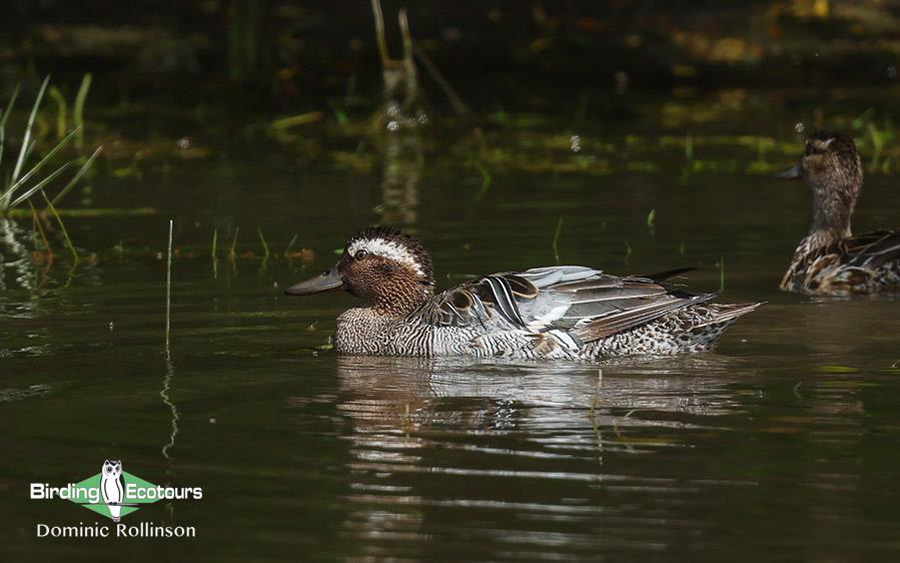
113	487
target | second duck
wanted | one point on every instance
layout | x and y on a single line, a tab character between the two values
831	260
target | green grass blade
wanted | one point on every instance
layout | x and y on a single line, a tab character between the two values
78	111
40	185
559	225
4	115
78	175
27	139
265	245
62	111
722	274
7	195
62	227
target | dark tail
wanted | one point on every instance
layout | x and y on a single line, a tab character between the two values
728	312
666	275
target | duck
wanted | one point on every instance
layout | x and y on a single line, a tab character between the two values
831	260
552	312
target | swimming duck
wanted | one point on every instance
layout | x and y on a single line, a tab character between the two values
569	312
831	260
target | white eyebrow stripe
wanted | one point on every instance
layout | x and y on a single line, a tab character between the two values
387	249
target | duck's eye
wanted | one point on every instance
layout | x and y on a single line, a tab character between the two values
361	254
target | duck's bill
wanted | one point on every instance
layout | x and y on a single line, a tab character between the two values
791	173
328	281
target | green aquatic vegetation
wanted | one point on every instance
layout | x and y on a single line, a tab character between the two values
81	171
863	118
519	121
4	115
265	246
17	191
169	285
26	140
651	221
485	179
290	244
721	266
39	227
831	368
559	225
90	213
78	111
212	253
295	120
499	116
282	130
62	227
878	143
61	111
339	114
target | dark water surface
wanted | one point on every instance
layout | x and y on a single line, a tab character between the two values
780	446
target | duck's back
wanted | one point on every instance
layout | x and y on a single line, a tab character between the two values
865	263
564	312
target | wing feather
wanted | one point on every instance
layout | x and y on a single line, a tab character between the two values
872	249
582	302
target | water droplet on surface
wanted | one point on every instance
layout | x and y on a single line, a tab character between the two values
799	127
891	71
184	143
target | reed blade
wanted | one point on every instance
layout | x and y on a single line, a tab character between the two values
40	185
78	175
16	184
27	139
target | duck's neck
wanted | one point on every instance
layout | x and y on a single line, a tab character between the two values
400	299
831	217
366	329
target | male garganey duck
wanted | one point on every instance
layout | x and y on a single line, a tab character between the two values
569	312
831	260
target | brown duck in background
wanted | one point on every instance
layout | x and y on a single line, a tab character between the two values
831	260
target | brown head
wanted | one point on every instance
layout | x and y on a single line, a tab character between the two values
831	167
388	270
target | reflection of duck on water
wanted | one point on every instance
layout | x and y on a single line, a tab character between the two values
428	436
